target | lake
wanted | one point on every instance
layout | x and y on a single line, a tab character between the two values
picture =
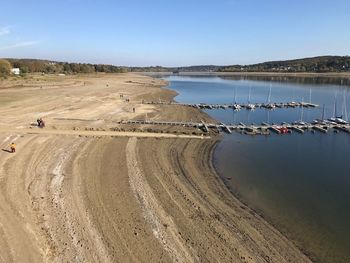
300	183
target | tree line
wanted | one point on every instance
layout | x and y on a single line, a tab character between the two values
315	64
321	64
45	66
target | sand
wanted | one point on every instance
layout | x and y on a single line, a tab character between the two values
85	189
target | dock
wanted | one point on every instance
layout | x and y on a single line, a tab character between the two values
225	128
204	126
274	129
320	129
262	129
343	128
235	106
297	129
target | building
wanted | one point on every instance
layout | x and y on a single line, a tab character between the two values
15	71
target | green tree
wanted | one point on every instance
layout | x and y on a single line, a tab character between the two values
85	68
67	68
5	68
24	69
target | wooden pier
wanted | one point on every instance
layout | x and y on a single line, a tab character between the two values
262	129
238	106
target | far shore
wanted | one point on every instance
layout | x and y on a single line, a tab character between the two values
264	74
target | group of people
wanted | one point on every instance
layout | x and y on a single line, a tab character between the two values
41	123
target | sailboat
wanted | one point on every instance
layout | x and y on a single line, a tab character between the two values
333	119
310	91
236	106
293	104
321	121
339	119
301	122
270	105
250	106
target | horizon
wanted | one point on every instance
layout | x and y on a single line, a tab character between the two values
183	66
185	33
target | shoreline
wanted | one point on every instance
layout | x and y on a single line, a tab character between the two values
105	198
253	74
214	172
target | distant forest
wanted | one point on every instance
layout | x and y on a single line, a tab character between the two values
316	64
46	66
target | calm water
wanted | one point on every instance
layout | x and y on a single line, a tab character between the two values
300	183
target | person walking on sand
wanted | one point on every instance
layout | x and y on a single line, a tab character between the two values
13	147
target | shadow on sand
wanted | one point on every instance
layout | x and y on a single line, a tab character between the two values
5	150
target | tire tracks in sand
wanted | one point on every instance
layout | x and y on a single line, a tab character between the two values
43	217
75	219
163	227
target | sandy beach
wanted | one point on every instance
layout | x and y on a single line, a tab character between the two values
86	189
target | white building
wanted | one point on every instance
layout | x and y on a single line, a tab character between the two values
15	71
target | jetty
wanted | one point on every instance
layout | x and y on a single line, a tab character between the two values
253	129
237	106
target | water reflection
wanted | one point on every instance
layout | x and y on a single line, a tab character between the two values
340	81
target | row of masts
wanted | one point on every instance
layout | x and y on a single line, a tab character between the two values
238	106
342	119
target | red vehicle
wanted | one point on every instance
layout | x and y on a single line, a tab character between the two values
283	130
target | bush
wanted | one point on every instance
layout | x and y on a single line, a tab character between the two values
5	68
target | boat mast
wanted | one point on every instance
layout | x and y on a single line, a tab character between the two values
235	94
302	110
323	111
269	96
250	89
335	106
345	110
310	96
234	116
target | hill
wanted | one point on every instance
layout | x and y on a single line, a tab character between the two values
319	64
314	64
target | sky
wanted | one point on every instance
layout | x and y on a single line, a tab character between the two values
173	33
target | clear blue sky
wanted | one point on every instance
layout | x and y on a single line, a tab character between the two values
173	33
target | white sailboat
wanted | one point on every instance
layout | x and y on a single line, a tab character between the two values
301	122
250	106
321	121
333	119
270	105
310	96
293	104
235	105
339	119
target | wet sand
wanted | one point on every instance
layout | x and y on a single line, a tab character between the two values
79	193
